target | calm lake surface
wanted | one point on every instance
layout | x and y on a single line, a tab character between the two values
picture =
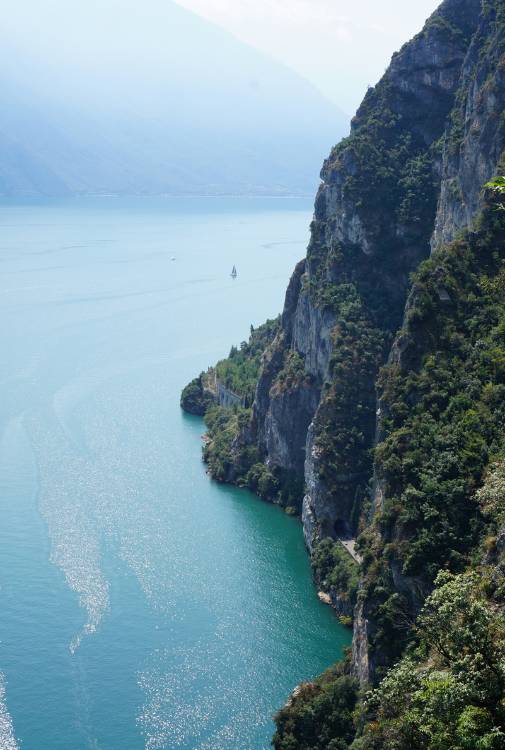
141	604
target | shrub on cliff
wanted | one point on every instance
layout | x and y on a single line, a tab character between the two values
240	370
320	715
262	481
335	568
195	399
442	419
449	692
228	460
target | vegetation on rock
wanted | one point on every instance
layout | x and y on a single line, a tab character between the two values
320	715
447	693
195	399
228	456
335	570
239	371
442	418
407	439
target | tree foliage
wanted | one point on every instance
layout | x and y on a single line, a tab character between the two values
320	715
448	693
239	371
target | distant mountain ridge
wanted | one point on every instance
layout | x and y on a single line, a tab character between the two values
105	99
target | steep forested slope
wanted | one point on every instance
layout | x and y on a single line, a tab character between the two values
384	392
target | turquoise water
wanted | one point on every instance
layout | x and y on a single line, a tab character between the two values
141	605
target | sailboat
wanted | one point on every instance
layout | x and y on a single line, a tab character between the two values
234	273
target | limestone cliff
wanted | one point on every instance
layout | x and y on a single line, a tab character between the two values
384	389
474	139
374	217
472	149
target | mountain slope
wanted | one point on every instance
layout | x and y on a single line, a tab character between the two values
388	378
102	98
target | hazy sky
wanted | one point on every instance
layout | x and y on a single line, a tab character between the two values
339	45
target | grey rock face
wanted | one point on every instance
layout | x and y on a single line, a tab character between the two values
318	506
476	140
286	423
361	666
325	514
342	607
421	83
273	358
282	416
312	337
309	522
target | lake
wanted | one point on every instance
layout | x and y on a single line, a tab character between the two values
141	604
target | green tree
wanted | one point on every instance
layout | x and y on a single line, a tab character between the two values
448	693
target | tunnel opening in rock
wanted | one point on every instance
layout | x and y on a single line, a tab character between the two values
341	529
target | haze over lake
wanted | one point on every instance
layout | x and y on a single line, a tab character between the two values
113	97
143	606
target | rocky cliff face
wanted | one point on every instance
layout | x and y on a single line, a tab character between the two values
282	413
472	150
386	395
474	139
410	175
374	217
